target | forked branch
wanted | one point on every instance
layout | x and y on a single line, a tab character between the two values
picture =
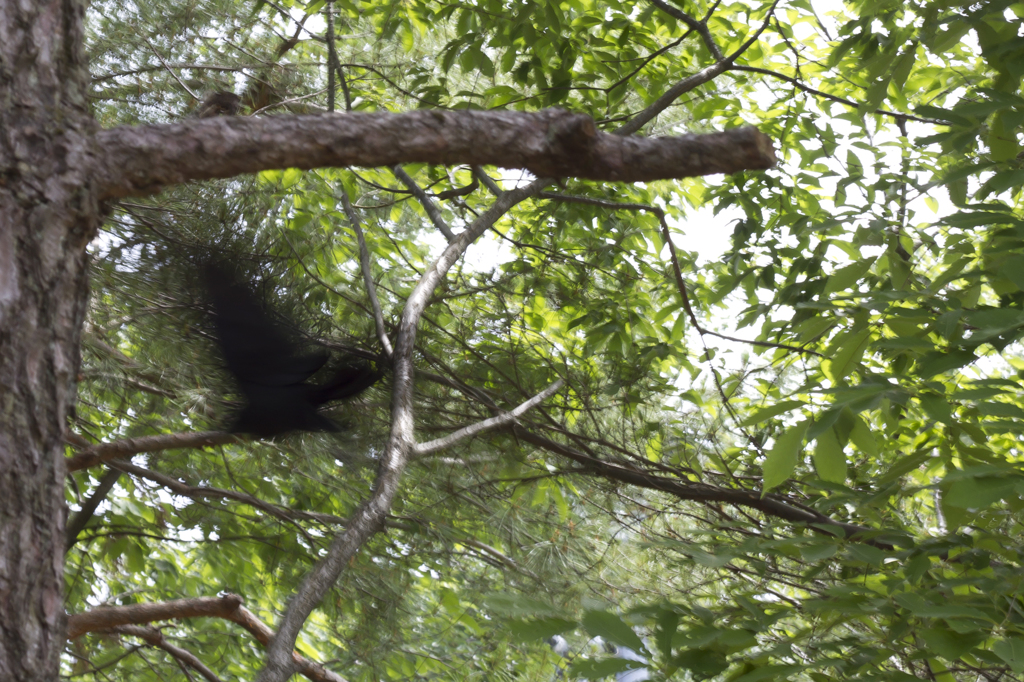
228	607
503	419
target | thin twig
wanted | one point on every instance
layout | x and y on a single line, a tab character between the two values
155	638
364	266
191	491
687	84
504	419
169	69
835	98
77	521
701	27
680	282
428	204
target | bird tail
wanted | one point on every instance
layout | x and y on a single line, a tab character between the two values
348	381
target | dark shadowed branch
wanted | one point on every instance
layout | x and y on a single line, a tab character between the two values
155	638
104	452
228	607
78	520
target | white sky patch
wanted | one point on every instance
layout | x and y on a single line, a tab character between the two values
702	231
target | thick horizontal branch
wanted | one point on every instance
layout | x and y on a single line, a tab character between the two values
228	607
104	452
106	617
140	160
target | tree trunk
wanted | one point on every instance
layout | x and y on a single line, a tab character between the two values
48	214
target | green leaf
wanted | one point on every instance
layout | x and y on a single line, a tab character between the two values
769	672
936	407
290	177
829	458
518	606
783	457
847	356
704	663
612	628
845	277
978	492
942	114
605	667
937	363
667	623
767	413
862	437
903	65
539	628
1011	650
948	644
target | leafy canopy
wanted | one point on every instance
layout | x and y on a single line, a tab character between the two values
872	293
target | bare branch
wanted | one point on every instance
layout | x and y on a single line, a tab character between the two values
428	204
835	98
169	69
364	266
369	519
671	95
130	382
139	160
691	82
104	452
332	59
487	180
155	638
456	191
647	60
680	283
757	34
229	607
106	617
701	27
77	521
186	490
494	422
770	505
175	65
505	559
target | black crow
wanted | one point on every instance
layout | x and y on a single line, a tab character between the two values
271	369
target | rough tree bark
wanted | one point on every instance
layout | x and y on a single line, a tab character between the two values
48	214
56	168
549	143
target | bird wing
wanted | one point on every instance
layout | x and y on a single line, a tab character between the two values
347	381
256	349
